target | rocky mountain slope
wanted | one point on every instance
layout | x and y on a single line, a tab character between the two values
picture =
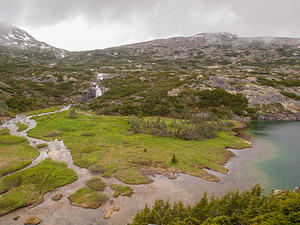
13	37
167	77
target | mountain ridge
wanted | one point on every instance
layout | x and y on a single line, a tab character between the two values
6	32
265	70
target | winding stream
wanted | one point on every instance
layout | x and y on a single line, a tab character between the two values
56	149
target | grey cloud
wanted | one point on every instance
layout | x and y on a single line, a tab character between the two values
161	18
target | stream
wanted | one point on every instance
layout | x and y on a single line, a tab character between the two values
56	150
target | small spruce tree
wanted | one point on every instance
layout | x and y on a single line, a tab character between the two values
72	114
174	160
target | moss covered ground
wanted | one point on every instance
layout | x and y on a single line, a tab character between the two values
104	144
87	198
21	127
96	184
15	153
28	186
121	190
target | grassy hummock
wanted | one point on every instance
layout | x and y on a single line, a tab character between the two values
87	198
15	153
21	127
121	190
57	197
32	221
27	187
104	144
42	145
96	184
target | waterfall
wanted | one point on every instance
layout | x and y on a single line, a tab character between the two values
98	91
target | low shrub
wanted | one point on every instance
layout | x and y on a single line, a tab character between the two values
96	184
121	190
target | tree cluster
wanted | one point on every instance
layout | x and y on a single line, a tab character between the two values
192	128
250	207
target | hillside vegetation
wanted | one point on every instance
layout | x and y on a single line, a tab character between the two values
218	73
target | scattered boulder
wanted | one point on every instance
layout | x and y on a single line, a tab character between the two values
32	221
109	212
174	92
277	192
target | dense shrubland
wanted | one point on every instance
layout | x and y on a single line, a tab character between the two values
192	128
156	101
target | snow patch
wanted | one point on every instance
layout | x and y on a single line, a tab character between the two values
26	38
100	76
11	35
43	46
199	35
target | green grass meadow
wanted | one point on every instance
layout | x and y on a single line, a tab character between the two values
15	153
104	144
21	127
28	186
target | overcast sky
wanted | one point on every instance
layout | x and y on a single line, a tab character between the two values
94	24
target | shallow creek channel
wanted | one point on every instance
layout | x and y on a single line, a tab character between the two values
187	188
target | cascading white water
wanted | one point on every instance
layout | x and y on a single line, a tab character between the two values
98	91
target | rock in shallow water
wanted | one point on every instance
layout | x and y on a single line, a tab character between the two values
109	212
16	217
277	192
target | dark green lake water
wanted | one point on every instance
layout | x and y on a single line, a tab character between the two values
282	167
